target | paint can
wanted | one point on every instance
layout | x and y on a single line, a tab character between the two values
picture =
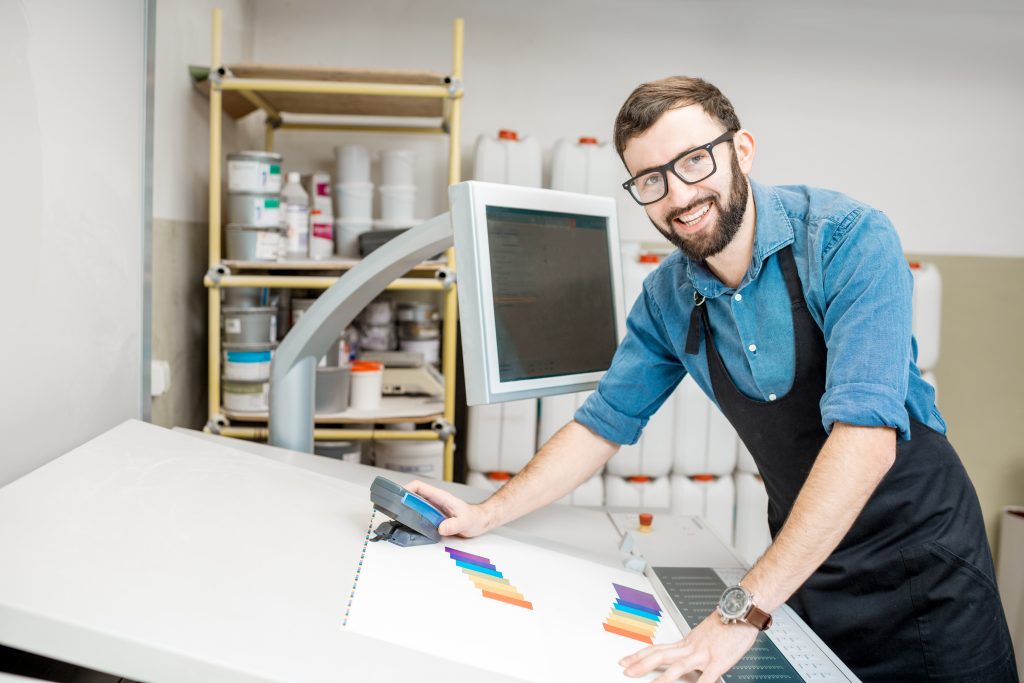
346	235
248	325
354	200
348	451
249	362
254	172
429	348
332	389
352	164
255	208
246	397
397	166
367	384
397	202
420	458
253	242
245	296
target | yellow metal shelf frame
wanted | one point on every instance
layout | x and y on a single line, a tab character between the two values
259	92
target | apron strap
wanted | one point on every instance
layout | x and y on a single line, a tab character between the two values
696	320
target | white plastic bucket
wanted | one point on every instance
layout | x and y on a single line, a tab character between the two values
332	389
348	451
254	172
508	158
246	397
397	166
299	307
367	385
249	362
346	235
429	348
248	325
352	164
354	200
397	202
253	242
251	208
420	458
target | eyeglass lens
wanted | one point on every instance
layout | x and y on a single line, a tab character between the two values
692	168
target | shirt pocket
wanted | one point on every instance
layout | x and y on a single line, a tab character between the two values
958	613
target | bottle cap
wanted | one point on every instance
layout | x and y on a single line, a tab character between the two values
506	134
646	518
588	141
649	258
499	476
293	177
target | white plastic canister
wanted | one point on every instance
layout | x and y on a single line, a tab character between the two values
501	437
590	493
927	313
709	497
421	458
752	536
556	412
585	165
637	492
508	158
706	442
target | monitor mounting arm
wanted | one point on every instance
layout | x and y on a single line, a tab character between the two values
293	371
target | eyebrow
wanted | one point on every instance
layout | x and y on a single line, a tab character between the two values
676	156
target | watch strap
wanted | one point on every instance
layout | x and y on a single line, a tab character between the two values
758	618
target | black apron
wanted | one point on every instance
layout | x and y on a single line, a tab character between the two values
909	594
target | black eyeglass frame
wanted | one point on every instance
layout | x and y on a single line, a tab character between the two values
671	166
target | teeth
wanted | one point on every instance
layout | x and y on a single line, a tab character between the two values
692	218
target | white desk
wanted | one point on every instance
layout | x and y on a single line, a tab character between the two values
160	556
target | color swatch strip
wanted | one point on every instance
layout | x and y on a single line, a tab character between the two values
485	576
634	614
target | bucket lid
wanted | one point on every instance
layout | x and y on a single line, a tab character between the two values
506	134
588	141
256	154
244	227
367	366
249	346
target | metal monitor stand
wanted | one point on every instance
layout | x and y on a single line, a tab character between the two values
293	371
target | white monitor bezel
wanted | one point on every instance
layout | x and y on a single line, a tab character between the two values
469	201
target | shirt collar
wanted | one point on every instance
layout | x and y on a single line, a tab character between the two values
772	232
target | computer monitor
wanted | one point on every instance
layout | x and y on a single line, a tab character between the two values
540	289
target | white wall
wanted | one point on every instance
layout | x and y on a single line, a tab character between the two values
181	117
71	184
910	105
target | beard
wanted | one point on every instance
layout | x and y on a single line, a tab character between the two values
714	238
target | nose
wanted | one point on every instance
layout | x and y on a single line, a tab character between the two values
679	193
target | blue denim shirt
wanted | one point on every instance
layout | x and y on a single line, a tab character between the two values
858	288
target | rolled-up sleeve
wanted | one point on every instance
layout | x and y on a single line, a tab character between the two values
643	373
867	325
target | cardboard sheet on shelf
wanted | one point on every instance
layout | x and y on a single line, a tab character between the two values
237	106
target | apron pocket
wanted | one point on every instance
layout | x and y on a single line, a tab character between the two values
958	612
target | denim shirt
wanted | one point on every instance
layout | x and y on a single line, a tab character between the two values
857	285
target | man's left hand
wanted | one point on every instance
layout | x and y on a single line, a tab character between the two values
712	648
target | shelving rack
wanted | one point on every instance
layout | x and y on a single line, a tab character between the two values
283	91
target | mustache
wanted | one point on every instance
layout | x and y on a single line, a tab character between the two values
677	212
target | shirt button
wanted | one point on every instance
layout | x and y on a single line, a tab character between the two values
772	397
738	297
752	348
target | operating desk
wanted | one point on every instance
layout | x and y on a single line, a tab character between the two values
167	555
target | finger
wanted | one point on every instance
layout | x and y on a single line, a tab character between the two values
640	654
658	658
675	672
446	502
710	675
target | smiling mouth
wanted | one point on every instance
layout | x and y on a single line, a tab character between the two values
690	220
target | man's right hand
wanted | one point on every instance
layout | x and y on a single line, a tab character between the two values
463	519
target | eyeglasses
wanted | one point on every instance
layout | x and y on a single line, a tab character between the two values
692	166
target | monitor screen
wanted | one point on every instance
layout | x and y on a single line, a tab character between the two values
552	292
539	282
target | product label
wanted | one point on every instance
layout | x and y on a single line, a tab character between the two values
267	245
244	176
324	230
233	325
297	223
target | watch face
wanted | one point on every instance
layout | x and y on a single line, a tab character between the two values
734	603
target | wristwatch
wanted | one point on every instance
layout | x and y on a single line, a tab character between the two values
737	604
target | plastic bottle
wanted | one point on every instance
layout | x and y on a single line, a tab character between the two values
508	158
295	205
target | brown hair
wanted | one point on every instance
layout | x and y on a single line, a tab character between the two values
649	101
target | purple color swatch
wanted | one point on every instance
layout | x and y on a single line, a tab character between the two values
636	597
468	557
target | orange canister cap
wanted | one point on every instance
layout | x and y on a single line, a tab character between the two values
646	518
506	134
649	258
499	476
588	141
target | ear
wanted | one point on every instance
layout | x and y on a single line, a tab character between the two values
745	147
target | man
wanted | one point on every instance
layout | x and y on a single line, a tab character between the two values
791	308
